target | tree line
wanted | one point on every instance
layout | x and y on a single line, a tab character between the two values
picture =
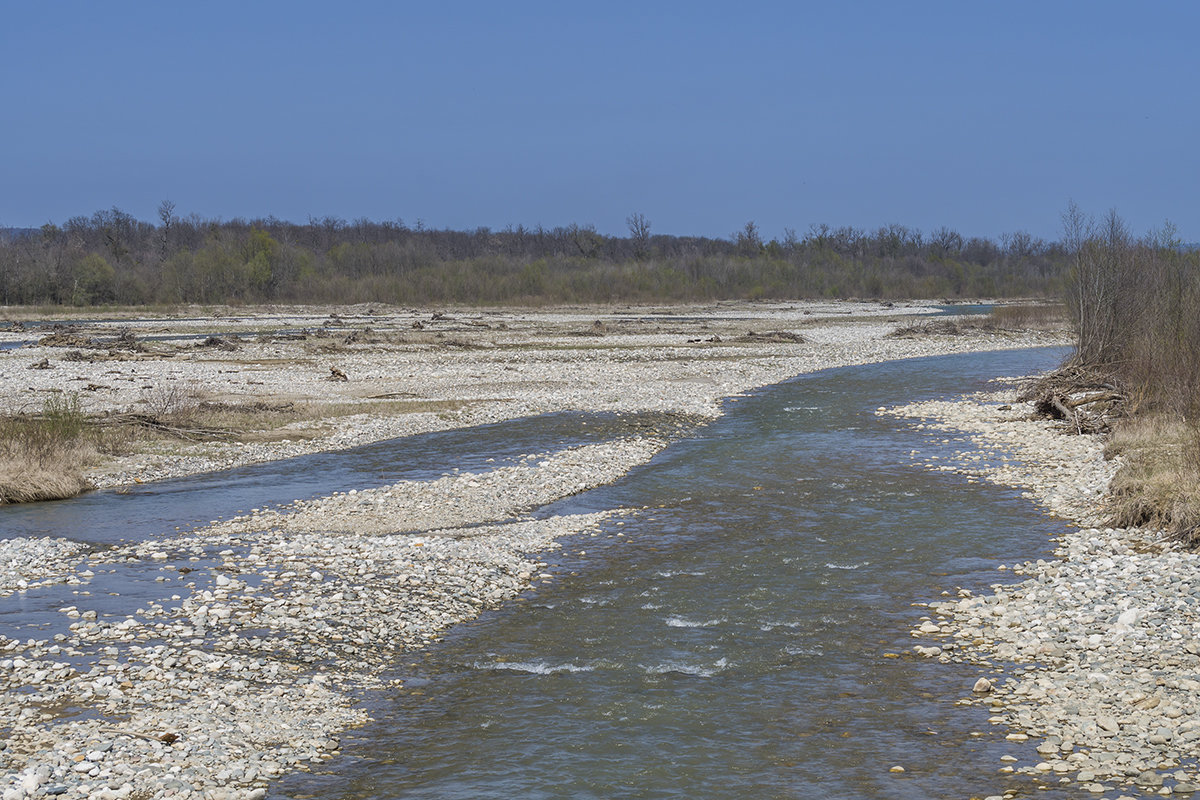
112	258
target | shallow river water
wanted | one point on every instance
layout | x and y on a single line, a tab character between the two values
730	641
726	641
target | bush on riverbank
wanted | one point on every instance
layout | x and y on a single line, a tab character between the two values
41	456
1159	486
1135	309
1025	317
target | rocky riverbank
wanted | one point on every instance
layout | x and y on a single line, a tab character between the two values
272	627
1092	660
303	381
30	563
256	639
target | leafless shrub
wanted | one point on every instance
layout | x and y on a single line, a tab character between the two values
172	400
126	340
1135	308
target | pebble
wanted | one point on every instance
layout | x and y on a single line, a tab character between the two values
519	364
258	655
310	606
1099	643
27	563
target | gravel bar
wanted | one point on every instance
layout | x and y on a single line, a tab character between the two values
30	563
273	629
1090	661
291	616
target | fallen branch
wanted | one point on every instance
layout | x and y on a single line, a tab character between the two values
155	424
1095	398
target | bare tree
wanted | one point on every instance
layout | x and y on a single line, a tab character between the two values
639	234
790	240
946	242
585	238
1021	245
166	214
749	240
1099	255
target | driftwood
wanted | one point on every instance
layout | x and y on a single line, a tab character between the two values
220	343
65	338
165	738
1077	410
780	337
391	395
1082	397
1096	398
155	424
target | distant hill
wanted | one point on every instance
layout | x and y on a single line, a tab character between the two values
16	233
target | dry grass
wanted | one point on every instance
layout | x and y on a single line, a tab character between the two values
1159	486
1040	317
945	326
1001	319
27	482
42	455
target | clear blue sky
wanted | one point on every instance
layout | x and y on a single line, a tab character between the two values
984	117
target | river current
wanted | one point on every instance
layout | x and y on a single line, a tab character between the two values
728	640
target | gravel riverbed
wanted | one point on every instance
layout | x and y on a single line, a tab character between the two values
30	563
457	369
1090	661
267	631
271	629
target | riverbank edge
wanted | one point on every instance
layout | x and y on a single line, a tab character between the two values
1094	673
526	576
521	362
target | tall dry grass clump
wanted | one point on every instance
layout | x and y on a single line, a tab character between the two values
1134	305
1039	316
41	455
1159	486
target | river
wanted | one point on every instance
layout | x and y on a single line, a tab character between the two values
730	640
